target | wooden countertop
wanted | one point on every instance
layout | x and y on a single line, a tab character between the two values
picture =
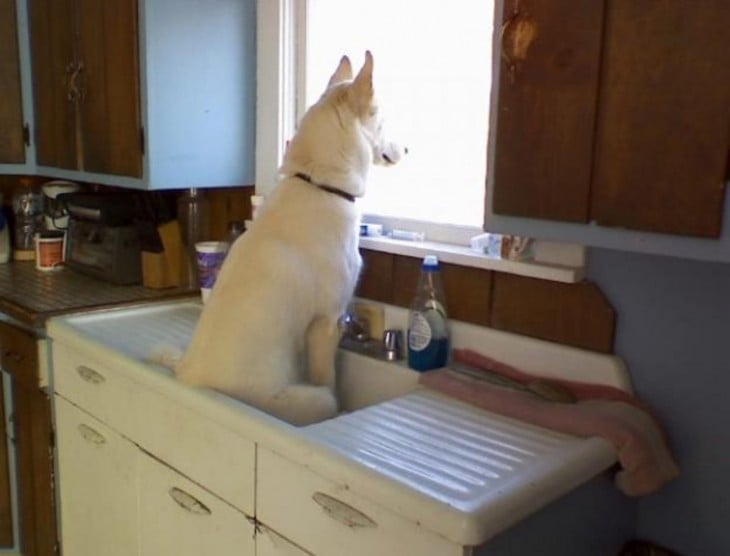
31	296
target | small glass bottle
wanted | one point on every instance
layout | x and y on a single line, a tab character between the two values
428	333
193	213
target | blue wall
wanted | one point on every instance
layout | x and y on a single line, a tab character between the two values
673	331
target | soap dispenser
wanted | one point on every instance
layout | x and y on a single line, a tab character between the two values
428	334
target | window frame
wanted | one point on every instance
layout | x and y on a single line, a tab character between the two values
280	31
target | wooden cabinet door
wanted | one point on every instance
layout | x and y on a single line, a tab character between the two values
179	517
616	112
53	56
35	468
664	118
97	480
86	85
545	117
12	148
110	108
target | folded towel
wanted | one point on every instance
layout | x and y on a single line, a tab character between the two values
641	445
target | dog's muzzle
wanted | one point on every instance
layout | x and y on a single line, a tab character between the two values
392	153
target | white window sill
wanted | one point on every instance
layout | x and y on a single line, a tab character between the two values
464	256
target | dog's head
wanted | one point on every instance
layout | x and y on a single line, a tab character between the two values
359	95
341	135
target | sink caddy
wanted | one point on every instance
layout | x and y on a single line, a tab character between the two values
148	465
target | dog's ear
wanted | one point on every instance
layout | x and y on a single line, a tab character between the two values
342	73
363	83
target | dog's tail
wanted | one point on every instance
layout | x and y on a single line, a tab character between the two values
165	355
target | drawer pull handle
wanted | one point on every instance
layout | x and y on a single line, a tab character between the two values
90	435
344	513
188	502
90	375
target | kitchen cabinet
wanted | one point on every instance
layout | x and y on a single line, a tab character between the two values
146	94
12	124
98	493
176	516
172	496
85	85
336	517
613	112
23	356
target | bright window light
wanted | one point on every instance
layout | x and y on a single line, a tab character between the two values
432	75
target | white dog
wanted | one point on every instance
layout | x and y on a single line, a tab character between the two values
269	330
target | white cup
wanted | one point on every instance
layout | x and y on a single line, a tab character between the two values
209	256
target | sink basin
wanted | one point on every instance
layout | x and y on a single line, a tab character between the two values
137	332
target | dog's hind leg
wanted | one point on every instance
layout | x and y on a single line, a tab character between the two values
303	404
323	335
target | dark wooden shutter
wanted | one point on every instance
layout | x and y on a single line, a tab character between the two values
664	116
546	109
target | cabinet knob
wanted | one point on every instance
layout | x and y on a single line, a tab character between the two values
90	375
188	502
91	435
343	512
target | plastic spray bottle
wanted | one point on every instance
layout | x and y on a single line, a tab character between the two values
428	334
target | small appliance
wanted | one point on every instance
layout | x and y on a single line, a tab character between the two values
102	238
54	211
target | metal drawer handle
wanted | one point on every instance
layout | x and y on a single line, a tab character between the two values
89	374
188	502
90	435
342	512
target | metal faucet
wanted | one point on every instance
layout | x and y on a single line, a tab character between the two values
356	337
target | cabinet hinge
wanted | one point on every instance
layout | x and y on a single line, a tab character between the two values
141	140
26	135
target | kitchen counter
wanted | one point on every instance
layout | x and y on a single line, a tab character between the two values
384	453
30	296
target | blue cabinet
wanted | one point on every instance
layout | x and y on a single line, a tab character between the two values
160	94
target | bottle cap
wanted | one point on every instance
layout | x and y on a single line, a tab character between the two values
430	262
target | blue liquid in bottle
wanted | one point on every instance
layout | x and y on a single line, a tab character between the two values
428	336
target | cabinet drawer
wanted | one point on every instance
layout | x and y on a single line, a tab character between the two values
19	354
199	448
179	517
328	518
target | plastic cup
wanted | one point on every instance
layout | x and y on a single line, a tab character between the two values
209	256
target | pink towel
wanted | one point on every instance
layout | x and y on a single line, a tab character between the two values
640	442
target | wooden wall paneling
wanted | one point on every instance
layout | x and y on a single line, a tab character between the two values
110	108
467	290
406	271
468	293
662	145
545	116
228	205
572	314
12	148
52	50
377	276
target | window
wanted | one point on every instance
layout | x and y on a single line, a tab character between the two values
432	71
432	76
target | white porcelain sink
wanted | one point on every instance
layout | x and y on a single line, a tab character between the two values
137	332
